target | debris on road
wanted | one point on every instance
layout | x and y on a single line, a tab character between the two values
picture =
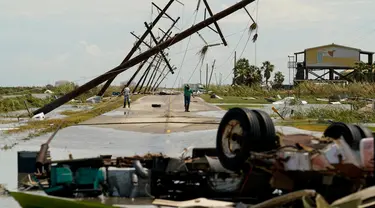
249	163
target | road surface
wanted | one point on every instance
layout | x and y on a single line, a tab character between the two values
170	117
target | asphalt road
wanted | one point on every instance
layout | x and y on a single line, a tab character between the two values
169	117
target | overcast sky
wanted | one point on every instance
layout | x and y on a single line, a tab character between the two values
43	41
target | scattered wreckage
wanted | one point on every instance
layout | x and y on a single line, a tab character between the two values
251	163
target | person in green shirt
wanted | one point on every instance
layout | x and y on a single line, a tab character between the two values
187	94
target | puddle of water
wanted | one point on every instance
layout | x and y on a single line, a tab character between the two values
55	114
116	113
87	141
214	114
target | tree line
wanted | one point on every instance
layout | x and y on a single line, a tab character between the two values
362	72
251	75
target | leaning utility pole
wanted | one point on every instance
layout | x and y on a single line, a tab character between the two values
165	36
145	73
148	71
141	57
234	68
137	44
157	80
212	70
149	89
206	75
161	81
156	68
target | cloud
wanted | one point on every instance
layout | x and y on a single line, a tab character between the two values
69	39
91	49
278	12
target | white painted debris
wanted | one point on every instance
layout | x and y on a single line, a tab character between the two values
366	149
48	92
94	99
335	103
248	98
8	128
200	202
39	116
322	99
218	97
297	161
287	100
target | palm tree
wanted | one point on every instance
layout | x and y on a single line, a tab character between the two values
268	68
361	72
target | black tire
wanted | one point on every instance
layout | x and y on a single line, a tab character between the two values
249	140
156	105
365	132
268	131
350	133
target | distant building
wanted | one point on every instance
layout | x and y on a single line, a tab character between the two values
61	82
126	82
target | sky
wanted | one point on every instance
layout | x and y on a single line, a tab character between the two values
43	41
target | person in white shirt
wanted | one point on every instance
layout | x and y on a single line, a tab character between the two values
126	97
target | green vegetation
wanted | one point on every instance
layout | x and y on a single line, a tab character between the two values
227	107
9	104
251	75
251	85
305	89
233	99
46	126
21	90
18	103
335	114
309	125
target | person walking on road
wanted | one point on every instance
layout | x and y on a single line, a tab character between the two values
126	97
187	94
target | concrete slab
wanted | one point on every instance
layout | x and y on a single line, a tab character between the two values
171	115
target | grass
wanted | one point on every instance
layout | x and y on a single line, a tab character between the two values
18	103
69	112
312	126
227	107
256	100
336	114
233	99
6	121
46	126
303	90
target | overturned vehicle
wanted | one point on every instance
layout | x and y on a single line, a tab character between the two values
251	163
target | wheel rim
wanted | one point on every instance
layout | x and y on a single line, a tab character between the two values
230	139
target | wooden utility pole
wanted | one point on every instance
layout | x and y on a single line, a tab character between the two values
206	75
136	46
234	67
157	80
156	68
165	36
212	70
144	74
148	71
141	57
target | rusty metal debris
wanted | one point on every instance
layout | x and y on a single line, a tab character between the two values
248	164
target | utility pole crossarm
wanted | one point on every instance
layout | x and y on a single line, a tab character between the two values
205	11
136	46
161	52
160	10
165	36
215	23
